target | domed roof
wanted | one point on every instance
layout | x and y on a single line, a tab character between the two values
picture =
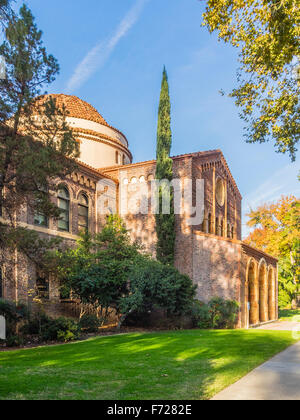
76	107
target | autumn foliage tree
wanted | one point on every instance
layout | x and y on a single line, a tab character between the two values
276	231
5	12
267	36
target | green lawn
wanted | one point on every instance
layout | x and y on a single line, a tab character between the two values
289	315
191	364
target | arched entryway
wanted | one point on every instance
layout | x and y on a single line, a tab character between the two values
253	294
272	294
263	291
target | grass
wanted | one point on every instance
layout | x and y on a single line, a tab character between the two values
289	315
191	364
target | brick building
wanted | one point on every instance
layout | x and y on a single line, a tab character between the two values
211	252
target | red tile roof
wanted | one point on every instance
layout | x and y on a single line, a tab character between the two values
75	107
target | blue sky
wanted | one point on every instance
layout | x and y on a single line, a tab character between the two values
112	53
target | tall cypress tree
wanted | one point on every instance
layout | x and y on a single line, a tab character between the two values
165	223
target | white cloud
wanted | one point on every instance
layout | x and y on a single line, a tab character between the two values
98	55
282	182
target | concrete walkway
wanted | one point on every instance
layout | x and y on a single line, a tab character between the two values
281	326
277	379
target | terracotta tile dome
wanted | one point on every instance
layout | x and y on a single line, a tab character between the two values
76	107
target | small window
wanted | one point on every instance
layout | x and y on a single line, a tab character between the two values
64	207
117	158
83	213
232	232
42	288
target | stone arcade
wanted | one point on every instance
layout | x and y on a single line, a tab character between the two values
212	253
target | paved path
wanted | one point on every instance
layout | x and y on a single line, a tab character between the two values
277	379
281	326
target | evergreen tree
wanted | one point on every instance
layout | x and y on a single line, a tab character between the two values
165	223
34	153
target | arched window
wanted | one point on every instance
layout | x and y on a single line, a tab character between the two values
123	160
222	228
232	232
83	212
228	230
64	207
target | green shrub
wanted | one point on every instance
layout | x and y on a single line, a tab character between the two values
48	329
217	314
223	313
153	286
61	329
89	323
35	324
14	341
200	315
66	336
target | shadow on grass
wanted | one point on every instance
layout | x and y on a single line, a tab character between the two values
191	364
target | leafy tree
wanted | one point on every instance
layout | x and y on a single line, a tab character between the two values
34	152
109	273
97	271
277	233
165	223
266	32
